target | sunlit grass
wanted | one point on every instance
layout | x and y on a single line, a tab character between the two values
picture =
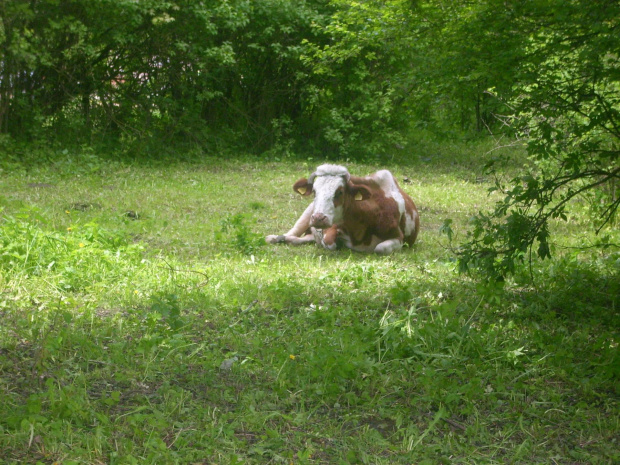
114	353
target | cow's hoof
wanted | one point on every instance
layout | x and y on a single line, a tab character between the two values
318	236
275	239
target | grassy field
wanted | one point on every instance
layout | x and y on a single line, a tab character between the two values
143	320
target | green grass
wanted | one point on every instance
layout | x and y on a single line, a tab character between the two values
125	286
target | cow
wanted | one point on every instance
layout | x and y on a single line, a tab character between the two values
370	214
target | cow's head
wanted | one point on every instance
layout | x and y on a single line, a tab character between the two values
333	191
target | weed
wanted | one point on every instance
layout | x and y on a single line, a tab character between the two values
166	307
238	235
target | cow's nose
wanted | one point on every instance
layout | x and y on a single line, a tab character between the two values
319	220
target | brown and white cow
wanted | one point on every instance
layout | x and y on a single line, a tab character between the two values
370	214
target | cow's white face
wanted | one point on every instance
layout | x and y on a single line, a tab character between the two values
329	192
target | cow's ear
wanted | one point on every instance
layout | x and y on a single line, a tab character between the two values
359	192
302	187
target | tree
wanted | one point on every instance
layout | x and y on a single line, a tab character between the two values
565	104
173	70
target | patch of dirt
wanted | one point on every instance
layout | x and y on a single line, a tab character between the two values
84	206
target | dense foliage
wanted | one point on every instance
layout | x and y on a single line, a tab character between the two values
565	107
168	70
349	77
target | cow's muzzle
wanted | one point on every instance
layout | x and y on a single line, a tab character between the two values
319	220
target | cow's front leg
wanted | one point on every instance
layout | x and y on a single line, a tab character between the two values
326	238
294	240
388	246
297	234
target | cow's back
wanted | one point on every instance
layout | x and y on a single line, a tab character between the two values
409	219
